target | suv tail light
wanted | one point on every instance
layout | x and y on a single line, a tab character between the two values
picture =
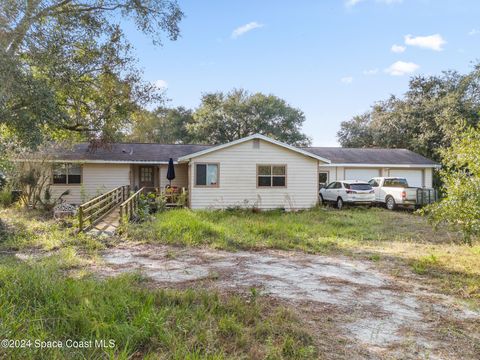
371	192
404	194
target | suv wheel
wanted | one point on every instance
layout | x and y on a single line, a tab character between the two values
390	203
339	203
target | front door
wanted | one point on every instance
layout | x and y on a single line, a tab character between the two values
146	177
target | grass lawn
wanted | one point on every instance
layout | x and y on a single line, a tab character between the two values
380	235
50	297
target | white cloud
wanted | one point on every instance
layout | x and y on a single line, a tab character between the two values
346	79
370	72
432	42
160	84
241	30
401	68
398	48
350	3
474	32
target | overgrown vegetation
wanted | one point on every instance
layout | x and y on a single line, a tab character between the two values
38	302
460	206
390	238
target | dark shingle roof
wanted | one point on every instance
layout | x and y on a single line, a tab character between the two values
339	155
130	152
139	152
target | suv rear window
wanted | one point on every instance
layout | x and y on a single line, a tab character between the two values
395	183
360	187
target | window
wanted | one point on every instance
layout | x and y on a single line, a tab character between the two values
338	185
271	176
397	182
74	174
322	179
67	174
206	175
146	174
358	186
331	185
373	183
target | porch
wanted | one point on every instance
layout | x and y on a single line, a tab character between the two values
153	178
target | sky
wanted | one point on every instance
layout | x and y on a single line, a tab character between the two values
330	58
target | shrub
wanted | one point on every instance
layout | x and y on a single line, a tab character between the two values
460	207
6	198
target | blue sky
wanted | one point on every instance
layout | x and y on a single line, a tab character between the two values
330	58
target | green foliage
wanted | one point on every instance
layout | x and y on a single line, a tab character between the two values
429	116
460	206
68	69
226	117
221	118
40	302
6	198
163	125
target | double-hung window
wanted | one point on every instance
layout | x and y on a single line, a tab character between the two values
271	175
206	174
67	174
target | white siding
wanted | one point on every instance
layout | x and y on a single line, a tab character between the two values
238	181
363	174
181	176
428	177
96	179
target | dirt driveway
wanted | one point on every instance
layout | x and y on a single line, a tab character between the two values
371	314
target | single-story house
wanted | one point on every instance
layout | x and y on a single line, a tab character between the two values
252	171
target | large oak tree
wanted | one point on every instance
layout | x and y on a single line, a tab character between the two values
426	119
222	117
66	65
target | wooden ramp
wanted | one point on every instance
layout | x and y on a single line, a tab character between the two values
108	225
102	215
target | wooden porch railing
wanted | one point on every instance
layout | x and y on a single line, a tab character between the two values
130	206
94	210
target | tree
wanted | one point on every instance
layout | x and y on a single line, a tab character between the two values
430	115
460	206
166	126
73	60
226	117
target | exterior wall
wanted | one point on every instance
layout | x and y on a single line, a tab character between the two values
428	177
96	179
181	176
238	179
338	173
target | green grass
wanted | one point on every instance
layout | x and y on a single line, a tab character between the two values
378	235
38	300
318	230
35	230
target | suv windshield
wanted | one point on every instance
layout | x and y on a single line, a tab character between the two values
395	183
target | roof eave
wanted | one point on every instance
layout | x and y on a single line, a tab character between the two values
386	165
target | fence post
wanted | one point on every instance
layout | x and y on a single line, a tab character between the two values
80	218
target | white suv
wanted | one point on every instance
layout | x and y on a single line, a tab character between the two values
347	191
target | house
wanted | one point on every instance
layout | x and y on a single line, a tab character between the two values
252	171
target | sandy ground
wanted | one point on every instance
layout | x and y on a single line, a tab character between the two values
352	307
